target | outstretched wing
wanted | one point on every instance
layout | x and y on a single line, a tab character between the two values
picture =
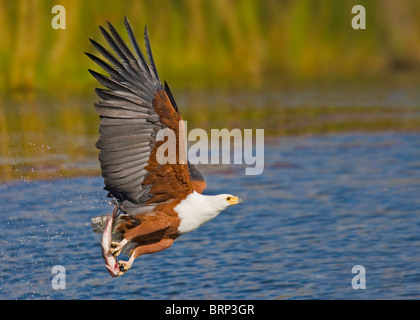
134	107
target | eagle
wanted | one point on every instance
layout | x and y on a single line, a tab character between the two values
153	203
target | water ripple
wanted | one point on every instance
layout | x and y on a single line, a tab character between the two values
322	205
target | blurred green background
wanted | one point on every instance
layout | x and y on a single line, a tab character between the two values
288	66
212	42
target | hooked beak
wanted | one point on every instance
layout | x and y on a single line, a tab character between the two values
235	200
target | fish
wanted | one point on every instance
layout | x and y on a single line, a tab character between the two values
111	262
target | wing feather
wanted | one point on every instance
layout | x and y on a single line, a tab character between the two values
133	108
106	121
134	44
110	70
149	53
122	156
131	159
113	131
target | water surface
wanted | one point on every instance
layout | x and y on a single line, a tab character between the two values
323	204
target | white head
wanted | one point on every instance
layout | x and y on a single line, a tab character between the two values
222	201
198	209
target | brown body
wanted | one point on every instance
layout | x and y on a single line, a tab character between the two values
151	232
154	231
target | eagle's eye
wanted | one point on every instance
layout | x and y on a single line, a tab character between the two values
228	198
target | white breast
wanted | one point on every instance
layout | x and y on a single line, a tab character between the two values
197	209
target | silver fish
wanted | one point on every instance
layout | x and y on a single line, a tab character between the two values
111	262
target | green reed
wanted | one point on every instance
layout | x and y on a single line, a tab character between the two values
210	42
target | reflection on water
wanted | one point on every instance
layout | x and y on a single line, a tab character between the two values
47	138
54	137
323	204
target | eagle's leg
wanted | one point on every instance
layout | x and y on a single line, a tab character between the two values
141	230
144	249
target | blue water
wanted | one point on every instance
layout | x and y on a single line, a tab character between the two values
322	205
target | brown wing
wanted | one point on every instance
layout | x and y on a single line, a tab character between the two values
168	180
134	107
197	180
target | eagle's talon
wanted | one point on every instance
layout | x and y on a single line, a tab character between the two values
115	252
114	244
116	247
123	266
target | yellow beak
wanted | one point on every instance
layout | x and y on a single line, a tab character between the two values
235	200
